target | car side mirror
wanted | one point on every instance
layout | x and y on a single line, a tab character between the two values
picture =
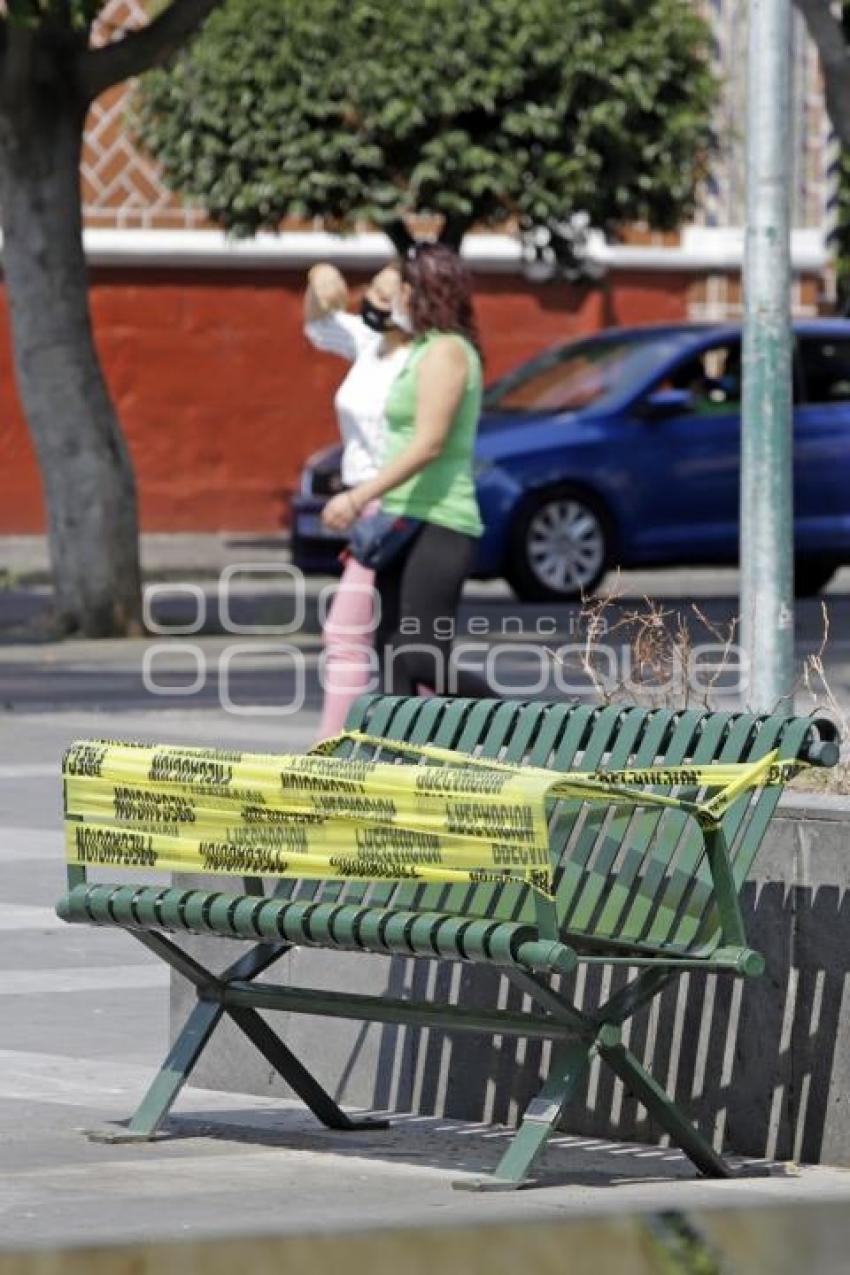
663	403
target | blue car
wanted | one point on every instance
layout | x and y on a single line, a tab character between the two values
623	450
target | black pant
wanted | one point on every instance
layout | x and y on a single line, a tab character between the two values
419	592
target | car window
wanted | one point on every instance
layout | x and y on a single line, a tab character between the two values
712	377
588	373
826	369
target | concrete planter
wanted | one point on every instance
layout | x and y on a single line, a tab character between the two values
763	1066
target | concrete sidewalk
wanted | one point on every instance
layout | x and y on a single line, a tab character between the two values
24	559
235	1164
85	1025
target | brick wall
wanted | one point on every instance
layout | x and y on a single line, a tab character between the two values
222	399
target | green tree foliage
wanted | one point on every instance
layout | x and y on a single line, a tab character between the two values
79	13
353	110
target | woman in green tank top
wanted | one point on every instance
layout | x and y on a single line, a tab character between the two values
431	418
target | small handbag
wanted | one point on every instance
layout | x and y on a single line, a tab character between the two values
376	540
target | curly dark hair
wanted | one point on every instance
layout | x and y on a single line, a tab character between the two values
442	291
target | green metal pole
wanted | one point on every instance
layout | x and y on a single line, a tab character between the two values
767	530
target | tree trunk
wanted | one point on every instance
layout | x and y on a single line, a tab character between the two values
85	465
826	30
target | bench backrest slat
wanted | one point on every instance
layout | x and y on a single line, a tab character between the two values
666	836
629	901
791	740
627	875
586	865
591	868
503	741
687	888
387	717
484	734
456	725
745	826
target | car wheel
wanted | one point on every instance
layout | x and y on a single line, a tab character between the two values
811	575
560	547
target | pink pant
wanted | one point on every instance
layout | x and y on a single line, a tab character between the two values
350	663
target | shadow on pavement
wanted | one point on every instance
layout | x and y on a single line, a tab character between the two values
452	1146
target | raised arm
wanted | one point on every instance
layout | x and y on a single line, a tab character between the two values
327	324
326	292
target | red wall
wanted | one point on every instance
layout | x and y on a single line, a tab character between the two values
222	399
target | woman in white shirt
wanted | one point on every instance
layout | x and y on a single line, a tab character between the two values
377	349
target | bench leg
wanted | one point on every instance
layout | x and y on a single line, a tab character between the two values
568	1070
173	1074
660	1105
296	1074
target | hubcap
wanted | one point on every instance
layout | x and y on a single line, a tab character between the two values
566	545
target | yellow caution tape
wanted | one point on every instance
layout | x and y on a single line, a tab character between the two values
732	779
451	818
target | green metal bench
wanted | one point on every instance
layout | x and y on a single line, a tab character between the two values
644	889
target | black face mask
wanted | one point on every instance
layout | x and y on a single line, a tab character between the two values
374	316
